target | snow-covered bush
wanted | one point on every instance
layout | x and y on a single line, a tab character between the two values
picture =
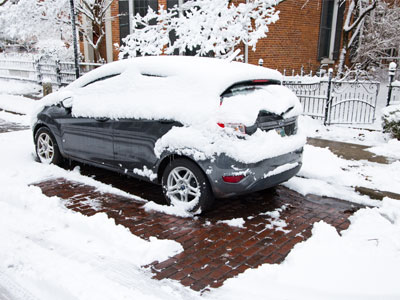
391	120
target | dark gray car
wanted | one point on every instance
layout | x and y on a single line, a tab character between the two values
126	145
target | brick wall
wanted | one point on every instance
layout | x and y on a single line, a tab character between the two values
291	43
115	27
293	40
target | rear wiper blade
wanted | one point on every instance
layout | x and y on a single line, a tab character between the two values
288	110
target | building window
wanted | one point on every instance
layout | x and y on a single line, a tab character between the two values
330	33
128	8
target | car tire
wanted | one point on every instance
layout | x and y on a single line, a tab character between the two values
46	147
185	184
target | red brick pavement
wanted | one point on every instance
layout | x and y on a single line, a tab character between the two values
213	252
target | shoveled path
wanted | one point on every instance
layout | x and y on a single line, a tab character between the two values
213	252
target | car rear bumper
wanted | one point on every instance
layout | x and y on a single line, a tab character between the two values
258	176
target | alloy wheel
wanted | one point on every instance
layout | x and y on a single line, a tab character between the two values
182	185
45	148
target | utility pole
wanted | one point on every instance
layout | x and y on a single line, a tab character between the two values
71	2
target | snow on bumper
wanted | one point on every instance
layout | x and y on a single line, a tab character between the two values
257	176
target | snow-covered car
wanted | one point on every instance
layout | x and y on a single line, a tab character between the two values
203	128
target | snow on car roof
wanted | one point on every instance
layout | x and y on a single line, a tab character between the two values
217	74
184	89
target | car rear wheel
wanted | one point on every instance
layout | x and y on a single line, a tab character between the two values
186	186
46	147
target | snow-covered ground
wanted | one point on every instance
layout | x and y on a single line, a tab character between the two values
50	252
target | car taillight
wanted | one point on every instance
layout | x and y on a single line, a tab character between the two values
237	127
233	179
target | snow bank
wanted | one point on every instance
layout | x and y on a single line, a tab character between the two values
325	174
343	133
390	149
52	252
17	104
361	263
391	113
14	87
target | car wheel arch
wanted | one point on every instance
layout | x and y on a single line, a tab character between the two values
169	158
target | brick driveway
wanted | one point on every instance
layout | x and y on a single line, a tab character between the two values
213	252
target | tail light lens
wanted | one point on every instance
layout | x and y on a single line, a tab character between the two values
237	127
233	179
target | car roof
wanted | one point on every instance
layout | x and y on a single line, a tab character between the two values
216	74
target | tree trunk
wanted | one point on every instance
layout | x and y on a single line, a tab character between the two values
343	54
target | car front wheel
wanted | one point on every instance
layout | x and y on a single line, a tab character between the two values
185	186
46	147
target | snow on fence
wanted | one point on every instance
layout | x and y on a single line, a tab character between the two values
336	101
43	69
395	95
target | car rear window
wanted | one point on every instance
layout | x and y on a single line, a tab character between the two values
247	87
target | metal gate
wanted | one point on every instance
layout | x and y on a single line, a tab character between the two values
337	101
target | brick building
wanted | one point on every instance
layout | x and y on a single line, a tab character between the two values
307	34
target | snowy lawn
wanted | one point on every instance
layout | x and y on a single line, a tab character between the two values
50	252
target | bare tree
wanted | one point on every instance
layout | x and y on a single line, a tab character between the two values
356	13
379	35
2	2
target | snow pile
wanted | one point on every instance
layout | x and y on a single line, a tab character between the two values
17	104
315	128
390	149
391	113
51	252
13	118
325	174
14	87
177	208
360	263
237	222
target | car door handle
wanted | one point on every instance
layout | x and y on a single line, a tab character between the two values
102	119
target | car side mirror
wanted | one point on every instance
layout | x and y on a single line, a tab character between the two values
67	102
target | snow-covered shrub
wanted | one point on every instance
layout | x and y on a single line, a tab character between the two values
391	120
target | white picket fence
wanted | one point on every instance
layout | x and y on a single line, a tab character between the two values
41	69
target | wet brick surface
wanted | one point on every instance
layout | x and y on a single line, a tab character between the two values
213	252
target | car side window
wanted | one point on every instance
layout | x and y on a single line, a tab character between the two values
100	79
